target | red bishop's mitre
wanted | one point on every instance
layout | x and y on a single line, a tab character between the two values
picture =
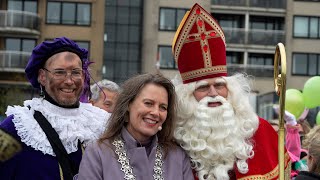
199	47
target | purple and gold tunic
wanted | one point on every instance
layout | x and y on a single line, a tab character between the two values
36	159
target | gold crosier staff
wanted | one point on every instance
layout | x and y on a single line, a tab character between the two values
280	88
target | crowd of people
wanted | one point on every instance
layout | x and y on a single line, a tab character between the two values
199	125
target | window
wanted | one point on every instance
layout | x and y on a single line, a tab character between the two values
166	20
18	19
83	14
122	46
28	45
260	59
165	58
230	21
234	57
134	35
68	13
17	44
170	18
123	17
266	23
23	5
135	16
306	27
53	12
233	27
122	33
306	64
83	44
122	52
179	16
265	103
19	51
13	44
134	52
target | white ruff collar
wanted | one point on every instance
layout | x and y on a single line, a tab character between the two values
85	123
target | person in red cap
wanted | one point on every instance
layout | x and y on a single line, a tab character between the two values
216	125
44	138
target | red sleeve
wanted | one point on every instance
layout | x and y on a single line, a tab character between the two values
195	175
265	160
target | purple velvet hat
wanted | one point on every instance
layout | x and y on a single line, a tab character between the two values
42	52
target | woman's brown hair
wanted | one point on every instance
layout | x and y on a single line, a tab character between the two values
314	152
130	90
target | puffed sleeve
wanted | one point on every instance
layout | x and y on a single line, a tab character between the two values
10	149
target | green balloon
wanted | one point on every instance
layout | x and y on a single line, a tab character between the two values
311	92
294	102
318	118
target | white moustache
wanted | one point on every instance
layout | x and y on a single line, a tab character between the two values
206	115
206	100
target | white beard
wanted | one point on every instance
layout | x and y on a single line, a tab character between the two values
214	137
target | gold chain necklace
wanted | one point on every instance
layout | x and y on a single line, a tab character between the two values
126	168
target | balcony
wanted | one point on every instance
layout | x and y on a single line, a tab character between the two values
251	69
13	61
229	2
17	22
254	36
276	4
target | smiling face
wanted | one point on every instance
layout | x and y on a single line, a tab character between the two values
106	100
211	88
147	112
64	91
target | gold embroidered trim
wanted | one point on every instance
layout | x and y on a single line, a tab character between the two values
287	171
197	36
188	26
272	174
203	72
61	173
9	146
206	55
178	30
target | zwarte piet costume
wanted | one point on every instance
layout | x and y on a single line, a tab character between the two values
27	152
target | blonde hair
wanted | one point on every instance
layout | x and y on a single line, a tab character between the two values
314	151
308	137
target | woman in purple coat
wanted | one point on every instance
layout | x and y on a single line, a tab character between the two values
138	143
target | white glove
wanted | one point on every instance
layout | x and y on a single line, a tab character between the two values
288	117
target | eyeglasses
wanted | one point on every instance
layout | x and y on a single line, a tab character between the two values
62	74
217	86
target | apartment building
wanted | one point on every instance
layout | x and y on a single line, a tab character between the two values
25	23
252	29
128	37
302	44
